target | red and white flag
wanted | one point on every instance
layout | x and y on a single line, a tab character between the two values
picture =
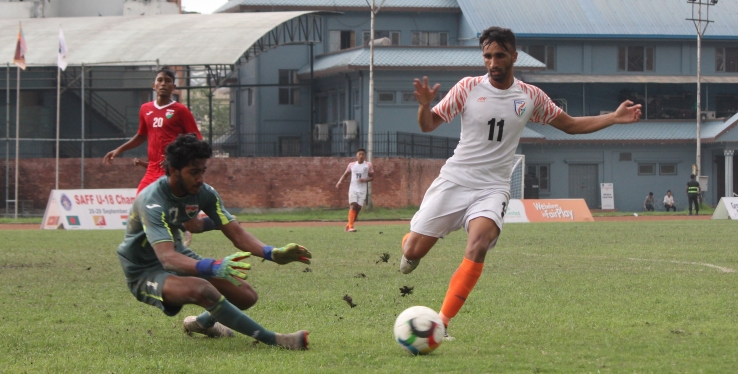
61	59
20	50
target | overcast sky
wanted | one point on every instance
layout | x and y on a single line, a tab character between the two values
202	6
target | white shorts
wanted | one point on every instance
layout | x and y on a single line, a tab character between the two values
447	206
358	197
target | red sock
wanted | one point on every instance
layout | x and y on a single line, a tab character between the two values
351	218
462	282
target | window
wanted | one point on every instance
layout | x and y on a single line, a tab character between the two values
667	169
429	38
646	169
291	95
626	156
726	59
289	146
541	173
543	53
635	58
408	97
386	97
393	36
339	40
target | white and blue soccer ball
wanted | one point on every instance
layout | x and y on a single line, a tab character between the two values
419	330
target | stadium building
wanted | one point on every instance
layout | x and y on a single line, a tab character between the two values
293	95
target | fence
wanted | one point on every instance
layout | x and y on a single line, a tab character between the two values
386	144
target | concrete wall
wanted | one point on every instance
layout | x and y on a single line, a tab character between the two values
242	182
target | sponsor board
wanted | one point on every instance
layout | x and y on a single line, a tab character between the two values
88	209
727	208
607	196
548	210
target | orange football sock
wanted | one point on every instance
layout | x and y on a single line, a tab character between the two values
351	217
462	282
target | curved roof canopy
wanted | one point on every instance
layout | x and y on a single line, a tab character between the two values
180	39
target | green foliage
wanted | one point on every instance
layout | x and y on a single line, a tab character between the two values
200	108
652	296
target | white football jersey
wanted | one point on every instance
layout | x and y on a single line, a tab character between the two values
492	121
359	171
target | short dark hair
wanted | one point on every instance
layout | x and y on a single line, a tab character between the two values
691	176
503	37
650	193
184	149
166	71
668	190
361	150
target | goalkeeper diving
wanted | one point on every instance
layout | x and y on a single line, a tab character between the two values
161	271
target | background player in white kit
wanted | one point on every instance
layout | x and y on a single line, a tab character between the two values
361	172
473	187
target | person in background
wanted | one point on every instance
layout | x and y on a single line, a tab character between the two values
648	204
669	201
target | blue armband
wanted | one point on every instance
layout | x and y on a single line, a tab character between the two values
205	267
268	252
209	224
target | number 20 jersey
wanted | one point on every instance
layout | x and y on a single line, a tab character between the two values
492	121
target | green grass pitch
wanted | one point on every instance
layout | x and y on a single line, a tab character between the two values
603	297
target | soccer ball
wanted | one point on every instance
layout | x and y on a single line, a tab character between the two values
419	330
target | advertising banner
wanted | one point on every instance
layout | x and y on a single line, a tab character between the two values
515	212
557	210
606	195
88	209
727	208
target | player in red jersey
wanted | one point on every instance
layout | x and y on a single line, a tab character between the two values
160	122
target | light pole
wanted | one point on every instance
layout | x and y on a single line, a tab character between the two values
370	129
700	24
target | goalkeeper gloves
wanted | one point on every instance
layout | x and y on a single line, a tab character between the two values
229	268
289	253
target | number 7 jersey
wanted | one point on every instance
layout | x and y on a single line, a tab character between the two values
492	121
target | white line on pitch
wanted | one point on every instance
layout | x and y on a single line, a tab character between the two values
723	269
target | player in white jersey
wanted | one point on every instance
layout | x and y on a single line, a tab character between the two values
473	187
361	172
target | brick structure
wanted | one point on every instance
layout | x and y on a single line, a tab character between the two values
244	183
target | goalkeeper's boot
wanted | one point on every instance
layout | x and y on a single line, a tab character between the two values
216	331
295	341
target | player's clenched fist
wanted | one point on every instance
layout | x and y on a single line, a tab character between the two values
290	253
228	268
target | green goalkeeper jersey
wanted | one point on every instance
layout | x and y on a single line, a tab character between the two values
156	216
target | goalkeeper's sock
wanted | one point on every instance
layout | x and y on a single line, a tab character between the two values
351	217
205	319
462	282
230	316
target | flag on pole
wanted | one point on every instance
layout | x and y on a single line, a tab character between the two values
20	49
61	60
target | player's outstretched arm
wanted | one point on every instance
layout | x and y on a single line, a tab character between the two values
135	141
244	241
427	120
340	180
627	112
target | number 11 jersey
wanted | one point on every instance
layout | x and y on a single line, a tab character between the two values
492	121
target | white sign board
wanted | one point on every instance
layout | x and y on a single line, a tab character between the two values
515	212
727	208
88	209
607	196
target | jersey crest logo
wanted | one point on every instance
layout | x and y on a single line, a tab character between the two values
149	112
170	113
519	107
192	209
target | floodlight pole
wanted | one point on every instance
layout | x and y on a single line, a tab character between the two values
700	25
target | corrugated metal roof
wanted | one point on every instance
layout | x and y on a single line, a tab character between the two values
180	39
625	78
599	18
639	131
460	58
388	4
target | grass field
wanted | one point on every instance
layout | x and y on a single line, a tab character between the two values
554	298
